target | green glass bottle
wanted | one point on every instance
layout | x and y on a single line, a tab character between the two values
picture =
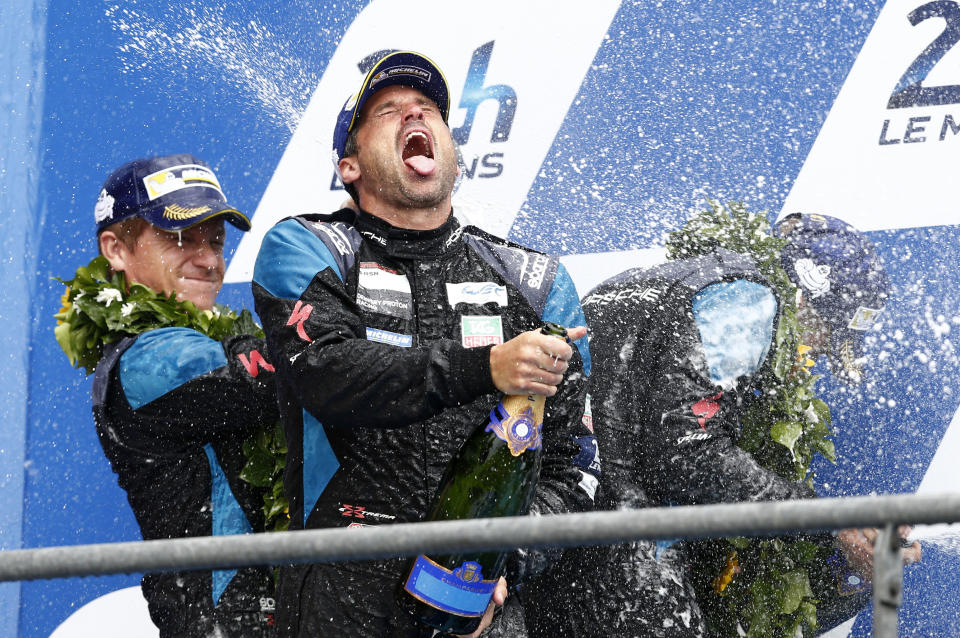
493	474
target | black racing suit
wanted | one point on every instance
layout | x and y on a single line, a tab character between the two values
667	429
172	408
382	338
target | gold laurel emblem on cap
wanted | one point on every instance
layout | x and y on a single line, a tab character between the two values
179	212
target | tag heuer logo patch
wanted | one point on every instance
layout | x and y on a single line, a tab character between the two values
481	331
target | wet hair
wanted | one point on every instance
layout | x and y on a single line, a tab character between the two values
351	147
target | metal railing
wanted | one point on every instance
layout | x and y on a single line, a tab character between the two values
595	528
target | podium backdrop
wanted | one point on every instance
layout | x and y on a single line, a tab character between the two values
588	130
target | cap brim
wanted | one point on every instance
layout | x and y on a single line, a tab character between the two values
186	217
405	68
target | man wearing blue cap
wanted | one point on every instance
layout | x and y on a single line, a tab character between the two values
173	406
395	329
678	348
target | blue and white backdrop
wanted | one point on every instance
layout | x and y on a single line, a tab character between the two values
589	130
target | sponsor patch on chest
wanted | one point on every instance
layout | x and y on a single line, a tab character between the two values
384	291
389	338
477	292
479	331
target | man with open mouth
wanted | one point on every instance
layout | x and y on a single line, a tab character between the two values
396	329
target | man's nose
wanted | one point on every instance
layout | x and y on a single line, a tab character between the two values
412	112
206	256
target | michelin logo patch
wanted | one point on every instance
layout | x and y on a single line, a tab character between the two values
394	71
477	292
389	338
384	291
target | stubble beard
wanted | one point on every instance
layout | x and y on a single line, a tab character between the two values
402	191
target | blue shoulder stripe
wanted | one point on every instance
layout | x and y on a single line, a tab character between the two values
320	463
563	307
164	359
530	272
292	254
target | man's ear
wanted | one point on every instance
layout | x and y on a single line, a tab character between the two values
114	250
349	169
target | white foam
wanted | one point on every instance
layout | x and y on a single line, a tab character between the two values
248	56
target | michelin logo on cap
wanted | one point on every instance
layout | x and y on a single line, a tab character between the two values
814	278
401	70
104	207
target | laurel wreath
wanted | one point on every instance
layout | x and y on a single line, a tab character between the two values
100	307
748	586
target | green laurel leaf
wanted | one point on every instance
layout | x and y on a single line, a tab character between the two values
99	308
783	428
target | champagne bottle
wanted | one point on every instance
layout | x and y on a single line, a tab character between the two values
493	474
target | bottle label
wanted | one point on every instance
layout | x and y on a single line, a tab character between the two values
462	592
518	421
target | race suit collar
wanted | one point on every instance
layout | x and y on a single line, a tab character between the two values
402	242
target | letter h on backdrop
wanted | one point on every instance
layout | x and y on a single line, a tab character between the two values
474	94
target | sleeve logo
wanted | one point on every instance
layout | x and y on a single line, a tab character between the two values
706	408
300	314
254	363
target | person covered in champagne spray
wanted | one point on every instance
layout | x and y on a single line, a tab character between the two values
678	351
173	405
395	330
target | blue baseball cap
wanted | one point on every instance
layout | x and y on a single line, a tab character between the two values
839	273
405	68
173	192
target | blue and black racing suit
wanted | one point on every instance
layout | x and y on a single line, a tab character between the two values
172	409
382	339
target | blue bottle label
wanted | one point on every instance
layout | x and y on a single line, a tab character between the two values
462	592
517	424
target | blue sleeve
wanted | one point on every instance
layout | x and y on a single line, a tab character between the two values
289	258
162	360
563	307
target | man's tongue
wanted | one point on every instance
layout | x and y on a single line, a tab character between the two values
422	164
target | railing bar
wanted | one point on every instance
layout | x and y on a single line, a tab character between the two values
409	539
